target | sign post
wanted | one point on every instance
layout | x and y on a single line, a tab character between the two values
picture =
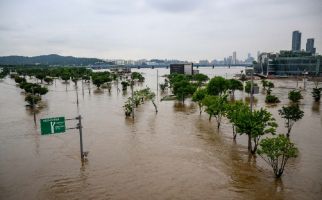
79	127
52	125
57	125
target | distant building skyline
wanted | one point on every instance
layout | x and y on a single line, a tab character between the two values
296	41
234	58
310	45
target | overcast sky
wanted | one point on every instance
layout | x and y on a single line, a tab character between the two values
134	29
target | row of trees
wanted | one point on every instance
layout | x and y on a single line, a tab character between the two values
213	99
139	97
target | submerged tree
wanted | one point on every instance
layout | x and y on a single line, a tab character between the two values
198	97
264	83
125	84
291	114
255	124
32	100
271	99
215	106
137	76
182	89
270	85
163	86
276	152
233	112
316	94
295	96
217	86
234	85
248	86
200	79
48	80
138	98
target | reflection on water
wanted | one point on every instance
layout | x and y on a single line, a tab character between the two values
174	154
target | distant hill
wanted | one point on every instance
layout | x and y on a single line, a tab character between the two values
52	59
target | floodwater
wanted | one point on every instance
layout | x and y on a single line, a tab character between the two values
174	154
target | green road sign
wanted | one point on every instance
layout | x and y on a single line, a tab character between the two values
52	125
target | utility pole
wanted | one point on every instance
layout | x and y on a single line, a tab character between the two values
251	90
132	93
83	87
157	83
251	106
76	92
117	85
33	104
79	127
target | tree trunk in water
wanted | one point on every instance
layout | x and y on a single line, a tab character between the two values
218	125
35	120
249	143
288	132
155	106
234	133
253	151
278	173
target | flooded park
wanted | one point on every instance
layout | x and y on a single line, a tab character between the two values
173	154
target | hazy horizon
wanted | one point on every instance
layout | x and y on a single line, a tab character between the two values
162	29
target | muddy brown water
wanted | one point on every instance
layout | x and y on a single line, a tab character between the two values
175	154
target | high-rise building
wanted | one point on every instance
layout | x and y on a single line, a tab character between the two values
234	58
296	41
310	46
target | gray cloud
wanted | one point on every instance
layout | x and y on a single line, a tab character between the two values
175	6
183	29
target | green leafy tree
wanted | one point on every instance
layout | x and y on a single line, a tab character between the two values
295	96
182	89
270	85
215	106
291	114
138	98
65	76
48	80
125	84
86	78
32	100
234	85
98	81
248	86
271	99
264	83
20	80
276	152
200	79
217	86
2	75
198	97
137	76
255	124
33	88
233	112
40	76
316	94
163	86
100	78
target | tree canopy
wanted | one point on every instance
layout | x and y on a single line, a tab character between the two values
276	152
217	86
215	106
290	114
